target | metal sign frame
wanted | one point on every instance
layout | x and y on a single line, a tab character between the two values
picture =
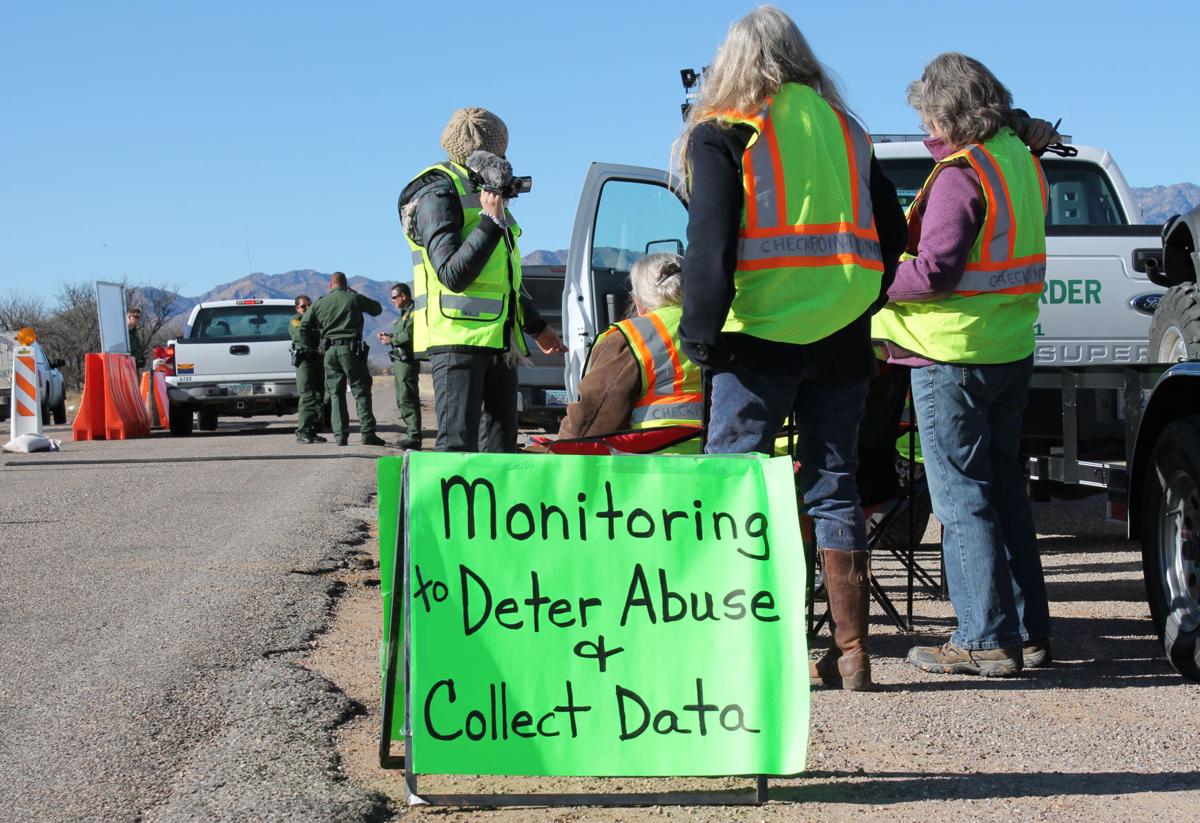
114	343
755	796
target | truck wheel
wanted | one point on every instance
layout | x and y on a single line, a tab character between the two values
1171	542
1175	329
181	420
59	411
208	420
45	414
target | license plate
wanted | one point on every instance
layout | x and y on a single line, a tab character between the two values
556	397
241	389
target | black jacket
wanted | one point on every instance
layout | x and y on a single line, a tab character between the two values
437	226
714	208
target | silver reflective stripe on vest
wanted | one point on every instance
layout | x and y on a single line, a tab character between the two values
469	198
985	281
808	245
420	301
667	411
418	258
765	196
982	161
861	146
664	369
471	306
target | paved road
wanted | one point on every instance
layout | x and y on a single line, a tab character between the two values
152	591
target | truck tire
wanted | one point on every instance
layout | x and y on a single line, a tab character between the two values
59	411
1171	542
181	420
1175	329
208	420
45	414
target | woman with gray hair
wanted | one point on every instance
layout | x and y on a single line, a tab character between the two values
636	377
962	314
793	236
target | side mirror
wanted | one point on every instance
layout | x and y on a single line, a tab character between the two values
57	364
671	246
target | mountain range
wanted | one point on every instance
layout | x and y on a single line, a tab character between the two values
1157	204
1160	202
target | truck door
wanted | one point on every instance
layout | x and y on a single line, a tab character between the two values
625	212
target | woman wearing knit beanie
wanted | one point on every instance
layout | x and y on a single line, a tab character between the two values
474	129
470	311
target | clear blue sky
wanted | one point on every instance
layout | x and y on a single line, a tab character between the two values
192	143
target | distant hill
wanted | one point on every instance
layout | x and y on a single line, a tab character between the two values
1160	202
545	258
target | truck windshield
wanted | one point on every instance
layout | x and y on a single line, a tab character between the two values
246	322
1080	194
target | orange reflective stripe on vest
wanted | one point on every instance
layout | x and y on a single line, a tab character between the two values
993	267
990	315
671	387
809	261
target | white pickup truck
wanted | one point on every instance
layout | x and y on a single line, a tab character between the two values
234	360
51	391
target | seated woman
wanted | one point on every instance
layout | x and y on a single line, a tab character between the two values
636	376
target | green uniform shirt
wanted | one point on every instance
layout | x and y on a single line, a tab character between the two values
339	314
136	347
402	335
305	340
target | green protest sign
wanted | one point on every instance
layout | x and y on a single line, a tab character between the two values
601	615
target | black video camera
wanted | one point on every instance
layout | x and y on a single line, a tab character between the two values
513	188
494	174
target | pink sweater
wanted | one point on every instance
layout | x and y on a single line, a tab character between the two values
952	218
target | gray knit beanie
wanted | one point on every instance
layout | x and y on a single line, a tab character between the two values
474	129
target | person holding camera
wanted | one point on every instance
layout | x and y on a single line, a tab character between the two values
338	318
469	309
310	375
405	368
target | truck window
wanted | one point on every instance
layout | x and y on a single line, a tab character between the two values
1080	194
633	219
243	322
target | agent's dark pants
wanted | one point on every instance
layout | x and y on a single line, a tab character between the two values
342	368
475	399
310	385
408	400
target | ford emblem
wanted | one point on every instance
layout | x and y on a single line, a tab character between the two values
1145	303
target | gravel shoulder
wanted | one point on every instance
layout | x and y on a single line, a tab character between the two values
156	595
1106	732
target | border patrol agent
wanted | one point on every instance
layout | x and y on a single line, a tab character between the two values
136	347
310	375
405	368
338	316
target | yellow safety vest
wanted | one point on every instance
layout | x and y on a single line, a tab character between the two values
476	318
989	318
809	261
672	393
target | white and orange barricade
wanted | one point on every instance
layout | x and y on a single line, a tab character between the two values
26	417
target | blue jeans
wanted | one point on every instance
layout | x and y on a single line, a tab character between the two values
970	423
747	413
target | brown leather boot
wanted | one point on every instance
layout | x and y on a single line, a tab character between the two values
846	663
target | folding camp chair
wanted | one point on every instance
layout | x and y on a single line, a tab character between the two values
633	441
895	497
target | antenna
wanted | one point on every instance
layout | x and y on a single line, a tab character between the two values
246	237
